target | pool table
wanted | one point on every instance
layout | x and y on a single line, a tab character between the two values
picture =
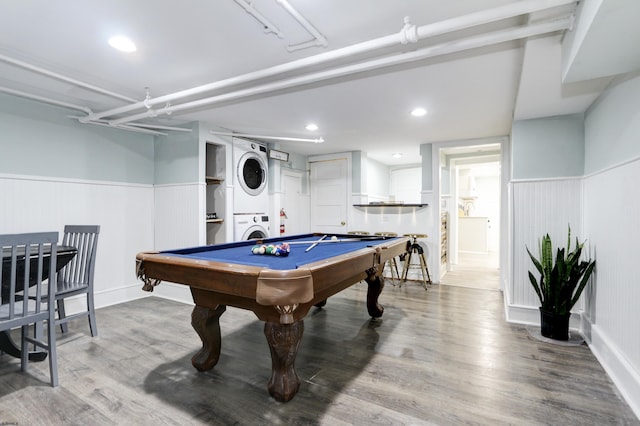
280	290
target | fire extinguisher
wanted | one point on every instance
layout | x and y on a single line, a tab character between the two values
283	216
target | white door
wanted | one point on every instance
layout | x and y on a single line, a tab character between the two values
328	188
294	203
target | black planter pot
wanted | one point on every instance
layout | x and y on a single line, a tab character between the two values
554	326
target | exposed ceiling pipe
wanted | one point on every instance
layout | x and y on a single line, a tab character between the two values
483	40
279	138
318	38
143	127
66	79
140	130
44	99
268	26
449	25
128	127
155	126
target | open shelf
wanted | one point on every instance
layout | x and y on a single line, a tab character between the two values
390	205
215	220
212	180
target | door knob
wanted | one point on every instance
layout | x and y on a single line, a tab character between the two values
343	223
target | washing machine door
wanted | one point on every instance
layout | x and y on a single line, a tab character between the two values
252	173
255	232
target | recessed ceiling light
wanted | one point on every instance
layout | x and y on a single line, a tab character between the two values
122	43
397	155
419	112
311	127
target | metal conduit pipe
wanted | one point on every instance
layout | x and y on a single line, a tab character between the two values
449	25
320	40
43	99
66	79
487	39
155	126
139	127
128	127
269	27
279	138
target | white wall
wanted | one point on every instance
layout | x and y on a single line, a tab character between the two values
377	183
539	207
611	206
123	211
405	184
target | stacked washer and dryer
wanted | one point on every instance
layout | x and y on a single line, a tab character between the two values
250	194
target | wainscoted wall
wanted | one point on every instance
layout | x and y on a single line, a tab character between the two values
179	222
611	214
179	215
123	211
539	207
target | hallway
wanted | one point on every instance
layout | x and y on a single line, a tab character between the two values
474	270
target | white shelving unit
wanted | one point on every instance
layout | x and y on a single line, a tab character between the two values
216	194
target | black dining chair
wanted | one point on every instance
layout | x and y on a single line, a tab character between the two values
26	262
77	276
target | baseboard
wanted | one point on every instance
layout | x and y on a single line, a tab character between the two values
176	292
623	375
102	299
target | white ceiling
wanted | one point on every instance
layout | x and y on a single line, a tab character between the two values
473	93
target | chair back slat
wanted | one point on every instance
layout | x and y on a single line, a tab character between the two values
28	265
78	273
24	273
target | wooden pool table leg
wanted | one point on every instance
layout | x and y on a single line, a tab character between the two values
376	284
284	340
206	322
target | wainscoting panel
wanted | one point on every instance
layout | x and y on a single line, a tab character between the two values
123	211
540	207
179	216
611	215
179	222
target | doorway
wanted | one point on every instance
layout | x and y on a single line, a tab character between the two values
470	195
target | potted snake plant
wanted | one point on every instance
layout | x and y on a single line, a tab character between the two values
561	283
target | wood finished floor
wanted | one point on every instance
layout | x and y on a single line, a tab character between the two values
443	356
475	271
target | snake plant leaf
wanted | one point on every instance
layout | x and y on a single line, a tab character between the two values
583	282
535	261
536	287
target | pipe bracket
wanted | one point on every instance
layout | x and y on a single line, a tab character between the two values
409	33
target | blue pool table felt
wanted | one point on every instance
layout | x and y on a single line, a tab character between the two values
240	252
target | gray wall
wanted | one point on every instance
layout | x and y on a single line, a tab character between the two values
359	172
548	147
613	126
427	167
40	140
177	157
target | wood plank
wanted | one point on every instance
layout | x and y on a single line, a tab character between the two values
442	356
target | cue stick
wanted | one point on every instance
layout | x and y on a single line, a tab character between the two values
345	240
316	243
